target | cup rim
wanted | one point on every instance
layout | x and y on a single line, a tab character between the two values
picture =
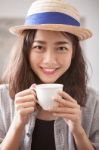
48	85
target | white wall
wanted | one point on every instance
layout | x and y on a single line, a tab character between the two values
89	9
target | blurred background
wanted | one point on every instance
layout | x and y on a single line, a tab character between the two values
12	12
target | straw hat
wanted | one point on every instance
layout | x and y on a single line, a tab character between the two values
54	15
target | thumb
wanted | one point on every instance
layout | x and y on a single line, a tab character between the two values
33	86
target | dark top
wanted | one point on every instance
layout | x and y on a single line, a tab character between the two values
43	135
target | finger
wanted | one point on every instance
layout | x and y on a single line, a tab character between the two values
25	105
25	92
26	111
66	96
33	86
65	102
26	98
66	116
64	110
56	100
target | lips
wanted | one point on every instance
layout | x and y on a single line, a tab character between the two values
49	71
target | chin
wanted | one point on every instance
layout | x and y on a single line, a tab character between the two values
48	81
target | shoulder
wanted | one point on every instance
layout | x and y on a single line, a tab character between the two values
90	116
6	110
91	109
4	92
5	100
3	87
92	97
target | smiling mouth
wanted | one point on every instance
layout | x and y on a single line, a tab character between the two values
49	71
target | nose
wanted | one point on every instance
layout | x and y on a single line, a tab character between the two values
49	57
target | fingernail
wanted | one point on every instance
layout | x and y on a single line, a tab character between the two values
33	86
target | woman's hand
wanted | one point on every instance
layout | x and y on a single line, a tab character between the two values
68	109
25	103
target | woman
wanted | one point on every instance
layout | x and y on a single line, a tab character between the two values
49	53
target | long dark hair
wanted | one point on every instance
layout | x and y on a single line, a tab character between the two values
20	76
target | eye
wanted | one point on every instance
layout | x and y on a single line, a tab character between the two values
62	49
38	48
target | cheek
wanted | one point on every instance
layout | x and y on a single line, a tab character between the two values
66	61
34	59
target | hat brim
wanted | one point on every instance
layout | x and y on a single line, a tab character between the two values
81	33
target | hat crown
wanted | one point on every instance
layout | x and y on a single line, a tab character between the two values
61	6
53	15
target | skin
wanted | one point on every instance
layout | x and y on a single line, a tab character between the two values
50	56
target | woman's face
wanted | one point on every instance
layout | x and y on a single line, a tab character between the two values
50	55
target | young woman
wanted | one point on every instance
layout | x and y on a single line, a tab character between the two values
48	53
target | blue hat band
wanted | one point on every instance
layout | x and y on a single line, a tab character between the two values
51	18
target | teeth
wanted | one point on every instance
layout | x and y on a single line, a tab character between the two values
49	70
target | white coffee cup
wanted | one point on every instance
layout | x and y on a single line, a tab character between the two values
45	94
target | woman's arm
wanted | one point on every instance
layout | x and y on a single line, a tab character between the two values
25	103
81	140
13	138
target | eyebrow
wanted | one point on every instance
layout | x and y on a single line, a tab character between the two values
41	42
56	43
61	42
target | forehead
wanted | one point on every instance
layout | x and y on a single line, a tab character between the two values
51	35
